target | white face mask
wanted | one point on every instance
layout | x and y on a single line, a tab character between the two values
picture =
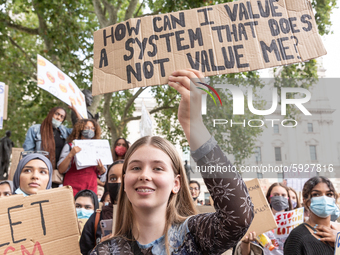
55	123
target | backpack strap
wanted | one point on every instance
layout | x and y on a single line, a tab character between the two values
96	222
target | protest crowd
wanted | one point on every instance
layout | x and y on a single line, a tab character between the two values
138	197
146	186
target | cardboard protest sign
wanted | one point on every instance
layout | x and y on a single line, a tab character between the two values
91	150
44	223
56	82
263	219
81	224
233	37
264	183
16	153
287	221
145	125
337	244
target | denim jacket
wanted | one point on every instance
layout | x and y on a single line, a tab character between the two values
33	137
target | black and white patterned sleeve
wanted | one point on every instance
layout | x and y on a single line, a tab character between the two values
216	232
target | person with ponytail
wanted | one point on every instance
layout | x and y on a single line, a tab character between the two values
85	178
50	135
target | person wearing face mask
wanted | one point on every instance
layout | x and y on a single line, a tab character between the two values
86	203
318	234
91	236
119	149
278	197
49	136
85	178
294	199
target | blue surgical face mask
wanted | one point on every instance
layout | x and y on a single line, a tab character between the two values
83	213
88	133
55	123
323	206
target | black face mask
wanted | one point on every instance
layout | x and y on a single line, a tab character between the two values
113	190
195	198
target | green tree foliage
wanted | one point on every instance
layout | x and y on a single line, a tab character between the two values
62	31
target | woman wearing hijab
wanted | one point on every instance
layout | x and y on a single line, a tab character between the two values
34	173
86	203
6	188
88	238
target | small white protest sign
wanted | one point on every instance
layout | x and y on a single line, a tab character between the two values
287	221
91	151
56	82
145	125
2	102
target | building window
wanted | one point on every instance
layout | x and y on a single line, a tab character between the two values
259	175
258	154
312	151
278	154
279	177
310	127
276	128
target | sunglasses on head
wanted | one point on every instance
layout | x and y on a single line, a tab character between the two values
26	153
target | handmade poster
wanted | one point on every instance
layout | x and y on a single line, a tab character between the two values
81	224
91	151
287	221
263	219
45	223
231	37
56	82
337	244
145	125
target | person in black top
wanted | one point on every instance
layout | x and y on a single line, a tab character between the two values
318	234
91	237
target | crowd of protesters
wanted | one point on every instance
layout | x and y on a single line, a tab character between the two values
156	205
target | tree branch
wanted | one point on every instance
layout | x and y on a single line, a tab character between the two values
11	24
131	100
149	14
99	13
126	120
21	49
139	8
129	11
107	115
112	12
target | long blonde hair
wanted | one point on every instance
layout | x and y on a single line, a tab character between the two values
180	205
